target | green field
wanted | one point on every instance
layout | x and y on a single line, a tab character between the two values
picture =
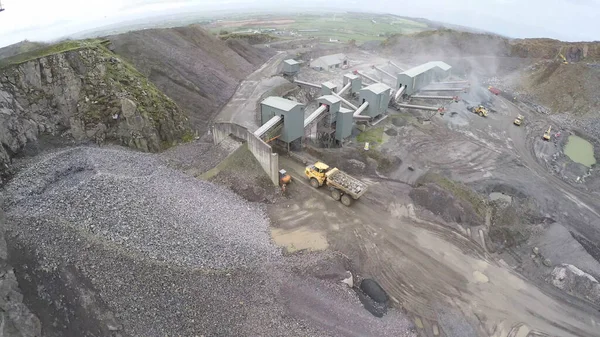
52	49
343	27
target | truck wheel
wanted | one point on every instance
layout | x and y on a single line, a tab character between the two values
314	183
346	200
336	195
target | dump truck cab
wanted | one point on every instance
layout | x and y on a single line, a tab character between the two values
316	173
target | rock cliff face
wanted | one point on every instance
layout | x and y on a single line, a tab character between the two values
549	49
445	43
83	95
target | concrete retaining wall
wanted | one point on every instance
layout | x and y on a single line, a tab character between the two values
261	150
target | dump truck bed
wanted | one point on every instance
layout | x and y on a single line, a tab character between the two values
346	183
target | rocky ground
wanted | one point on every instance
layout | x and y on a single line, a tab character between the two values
112	242
15	318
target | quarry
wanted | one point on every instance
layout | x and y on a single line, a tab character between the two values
191	182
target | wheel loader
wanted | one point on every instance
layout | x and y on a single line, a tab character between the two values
342	186
547	133
519	120
480	110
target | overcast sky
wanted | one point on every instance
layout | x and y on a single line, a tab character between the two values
572	20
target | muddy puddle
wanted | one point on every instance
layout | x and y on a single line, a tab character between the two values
299	239
500	196
580	151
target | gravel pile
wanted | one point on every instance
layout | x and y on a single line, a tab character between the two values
109	242
197	157
130	199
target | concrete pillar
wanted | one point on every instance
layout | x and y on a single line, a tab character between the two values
275	168
218	135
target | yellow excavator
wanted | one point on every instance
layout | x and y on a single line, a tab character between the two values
519	120
564	59
547	133
480	110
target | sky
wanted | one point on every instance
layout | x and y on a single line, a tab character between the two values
569	20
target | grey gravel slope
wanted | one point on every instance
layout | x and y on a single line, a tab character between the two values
130	199
110	242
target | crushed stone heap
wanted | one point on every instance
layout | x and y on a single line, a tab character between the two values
119	197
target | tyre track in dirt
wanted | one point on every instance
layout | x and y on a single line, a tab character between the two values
524	149
421	264
459	152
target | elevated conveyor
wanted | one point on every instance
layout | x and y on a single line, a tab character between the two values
346	87
313	116
308	84
270	124
356	72
419	107
395	65
442	89
399	93
433	97
385	73
350	105
357	114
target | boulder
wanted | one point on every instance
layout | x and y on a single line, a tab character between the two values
576	282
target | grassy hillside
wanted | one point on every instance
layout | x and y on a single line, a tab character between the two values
344	27
41	50
19	48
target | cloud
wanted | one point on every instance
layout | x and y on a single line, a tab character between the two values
563	19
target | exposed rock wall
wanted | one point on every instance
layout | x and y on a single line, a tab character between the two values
84	95
446	43
576	282
549	49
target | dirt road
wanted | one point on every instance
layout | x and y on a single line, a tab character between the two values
432	271
241	108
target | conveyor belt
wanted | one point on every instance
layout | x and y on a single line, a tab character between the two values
314	115
271	123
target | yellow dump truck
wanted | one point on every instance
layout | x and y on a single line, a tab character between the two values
480	110
343	187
